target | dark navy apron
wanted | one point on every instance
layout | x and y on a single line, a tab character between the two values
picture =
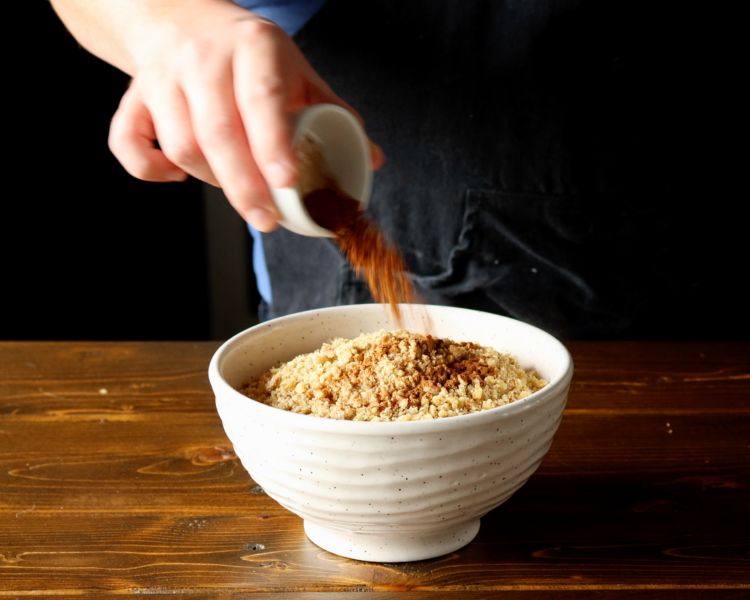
530	151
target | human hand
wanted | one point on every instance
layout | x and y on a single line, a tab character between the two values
216	87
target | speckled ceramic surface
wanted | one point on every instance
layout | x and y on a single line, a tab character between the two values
347	155
398	491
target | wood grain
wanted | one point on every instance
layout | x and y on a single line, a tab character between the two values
116	478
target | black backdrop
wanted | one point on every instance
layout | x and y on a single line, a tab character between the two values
87	251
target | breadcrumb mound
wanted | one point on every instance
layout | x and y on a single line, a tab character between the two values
394	376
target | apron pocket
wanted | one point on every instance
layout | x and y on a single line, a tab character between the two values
553	260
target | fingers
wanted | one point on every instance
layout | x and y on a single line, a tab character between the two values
262	93
221	136
221	111
174	130
131	140
377	155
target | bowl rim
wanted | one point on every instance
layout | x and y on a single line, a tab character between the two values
223	391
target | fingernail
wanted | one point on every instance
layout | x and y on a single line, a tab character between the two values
261	219
280	174
378	156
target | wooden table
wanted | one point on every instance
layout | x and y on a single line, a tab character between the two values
116	478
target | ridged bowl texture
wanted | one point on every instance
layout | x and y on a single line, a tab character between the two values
389	491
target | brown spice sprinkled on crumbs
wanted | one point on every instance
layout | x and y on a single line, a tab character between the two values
394	376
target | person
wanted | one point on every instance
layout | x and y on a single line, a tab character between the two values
534	152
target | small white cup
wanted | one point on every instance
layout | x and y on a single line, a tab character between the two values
346	151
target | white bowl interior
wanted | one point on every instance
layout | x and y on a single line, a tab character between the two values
346	151
261	347
345	147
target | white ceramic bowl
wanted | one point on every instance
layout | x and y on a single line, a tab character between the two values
389	491
346	151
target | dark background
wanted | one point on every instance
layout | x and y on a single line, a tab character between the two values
89	252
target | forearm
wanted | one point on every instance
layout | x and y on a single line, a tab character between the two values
213	84
121	32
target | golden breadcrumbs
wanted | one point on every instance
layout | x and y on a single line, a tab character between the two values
394	376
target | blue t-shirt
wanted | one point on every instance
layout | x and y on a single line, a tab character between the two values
290	15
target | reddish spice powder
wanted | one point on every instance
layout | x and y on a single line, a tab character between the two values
370	253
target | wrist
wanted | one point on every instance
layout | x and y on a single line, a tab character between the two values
160	26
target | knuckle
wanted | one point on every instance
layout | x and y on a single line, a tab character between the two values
182	152
116	139
245	194
269	87
258	28
120	139
196	50
121	145
220	131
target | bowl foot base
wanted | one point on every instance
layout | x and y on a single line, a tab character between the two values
392	546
